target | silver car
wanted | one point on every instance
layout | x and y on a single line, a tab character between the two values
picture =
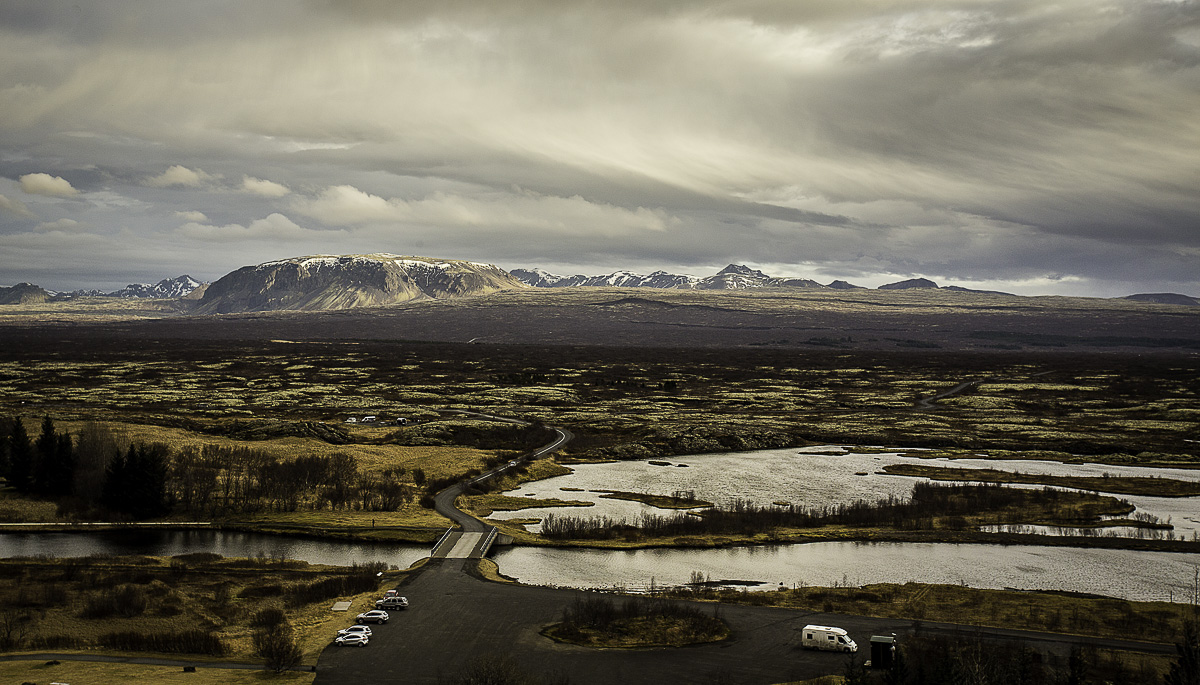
355	630
373	616
352	640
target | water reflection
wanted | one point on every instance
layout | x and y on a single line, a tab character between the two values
1134	575
131	541
815	476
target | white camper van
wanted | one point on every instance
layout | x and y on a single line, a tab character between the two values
827	638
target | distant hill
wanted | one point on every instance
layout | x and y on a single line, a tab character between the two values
23	293
326	282
1164	298
910	284
843	285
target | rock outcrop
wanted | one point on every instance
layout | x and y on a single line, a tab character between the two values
23	293
326	282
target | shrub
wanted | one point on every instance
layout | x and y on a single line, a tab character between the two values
268	618
125	600
181	642
277	646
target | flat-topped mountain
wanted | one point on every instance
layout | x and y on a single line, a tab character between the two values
23	293
323	282
1165	298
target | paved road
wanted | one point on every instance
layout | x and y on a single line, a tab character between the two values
444	500
455	618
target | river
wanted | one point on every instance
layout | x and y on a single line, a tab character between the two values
813	476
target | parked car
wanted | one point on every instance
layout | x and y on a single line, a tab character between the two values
827	638
373	616
356	630
352	640
394	602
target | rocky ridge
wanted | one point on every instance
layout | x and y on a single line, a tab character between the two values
23	293
327	282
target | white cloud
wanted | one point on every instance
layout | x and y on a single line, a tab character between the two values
192	216
15	207
274	227
258	186
181	176
60	225
45	184
520	210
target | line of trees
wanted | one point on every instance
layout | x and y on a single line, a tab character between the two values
951	502
99	474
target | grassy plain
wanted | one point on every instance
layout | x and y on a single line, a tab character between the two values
94	673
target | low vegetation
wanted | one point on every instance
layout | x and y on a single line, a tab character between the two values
1153	486
1064	612
931	507
676	500
635	622
271	611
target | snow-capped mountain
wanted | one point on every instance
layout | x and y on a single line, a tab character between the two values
322	282
732	277
618	279
180	286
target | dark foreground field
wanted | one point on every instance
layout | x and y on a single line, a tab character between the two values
783	318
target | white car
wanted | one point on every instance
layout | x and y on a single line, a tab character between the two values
373	616
355	630
352	640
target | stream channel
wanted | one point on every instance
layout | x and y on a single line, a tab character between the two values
812	476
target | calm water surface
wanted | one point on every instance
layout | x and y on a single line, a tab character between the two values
808	476
1141	576
229	544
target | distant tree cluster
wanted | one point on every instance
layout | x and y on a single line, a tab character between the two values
949	503
90	471
45	466
97	474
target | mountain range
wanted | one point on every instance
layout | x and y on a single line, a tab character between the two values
732	277
326	282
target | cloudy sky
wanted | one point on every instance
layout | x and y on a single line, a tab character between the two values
1016	144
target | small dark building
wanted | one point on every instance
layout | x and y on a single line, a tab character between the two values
883	651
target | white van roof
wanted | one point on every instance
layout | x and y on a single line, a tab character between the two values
829	629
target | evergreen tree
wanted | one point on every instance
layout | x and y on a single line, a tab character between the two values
20	455
54	463
136	483
147	472
45	456
114	493
5	460
63	478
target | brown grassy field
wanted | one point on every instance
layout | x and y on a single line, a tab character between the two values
70	604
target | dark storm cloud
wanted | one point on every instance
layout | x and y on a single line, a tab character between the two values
975	140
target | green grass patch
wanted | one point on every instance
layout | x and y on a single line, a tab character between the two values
1121	485
678	500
